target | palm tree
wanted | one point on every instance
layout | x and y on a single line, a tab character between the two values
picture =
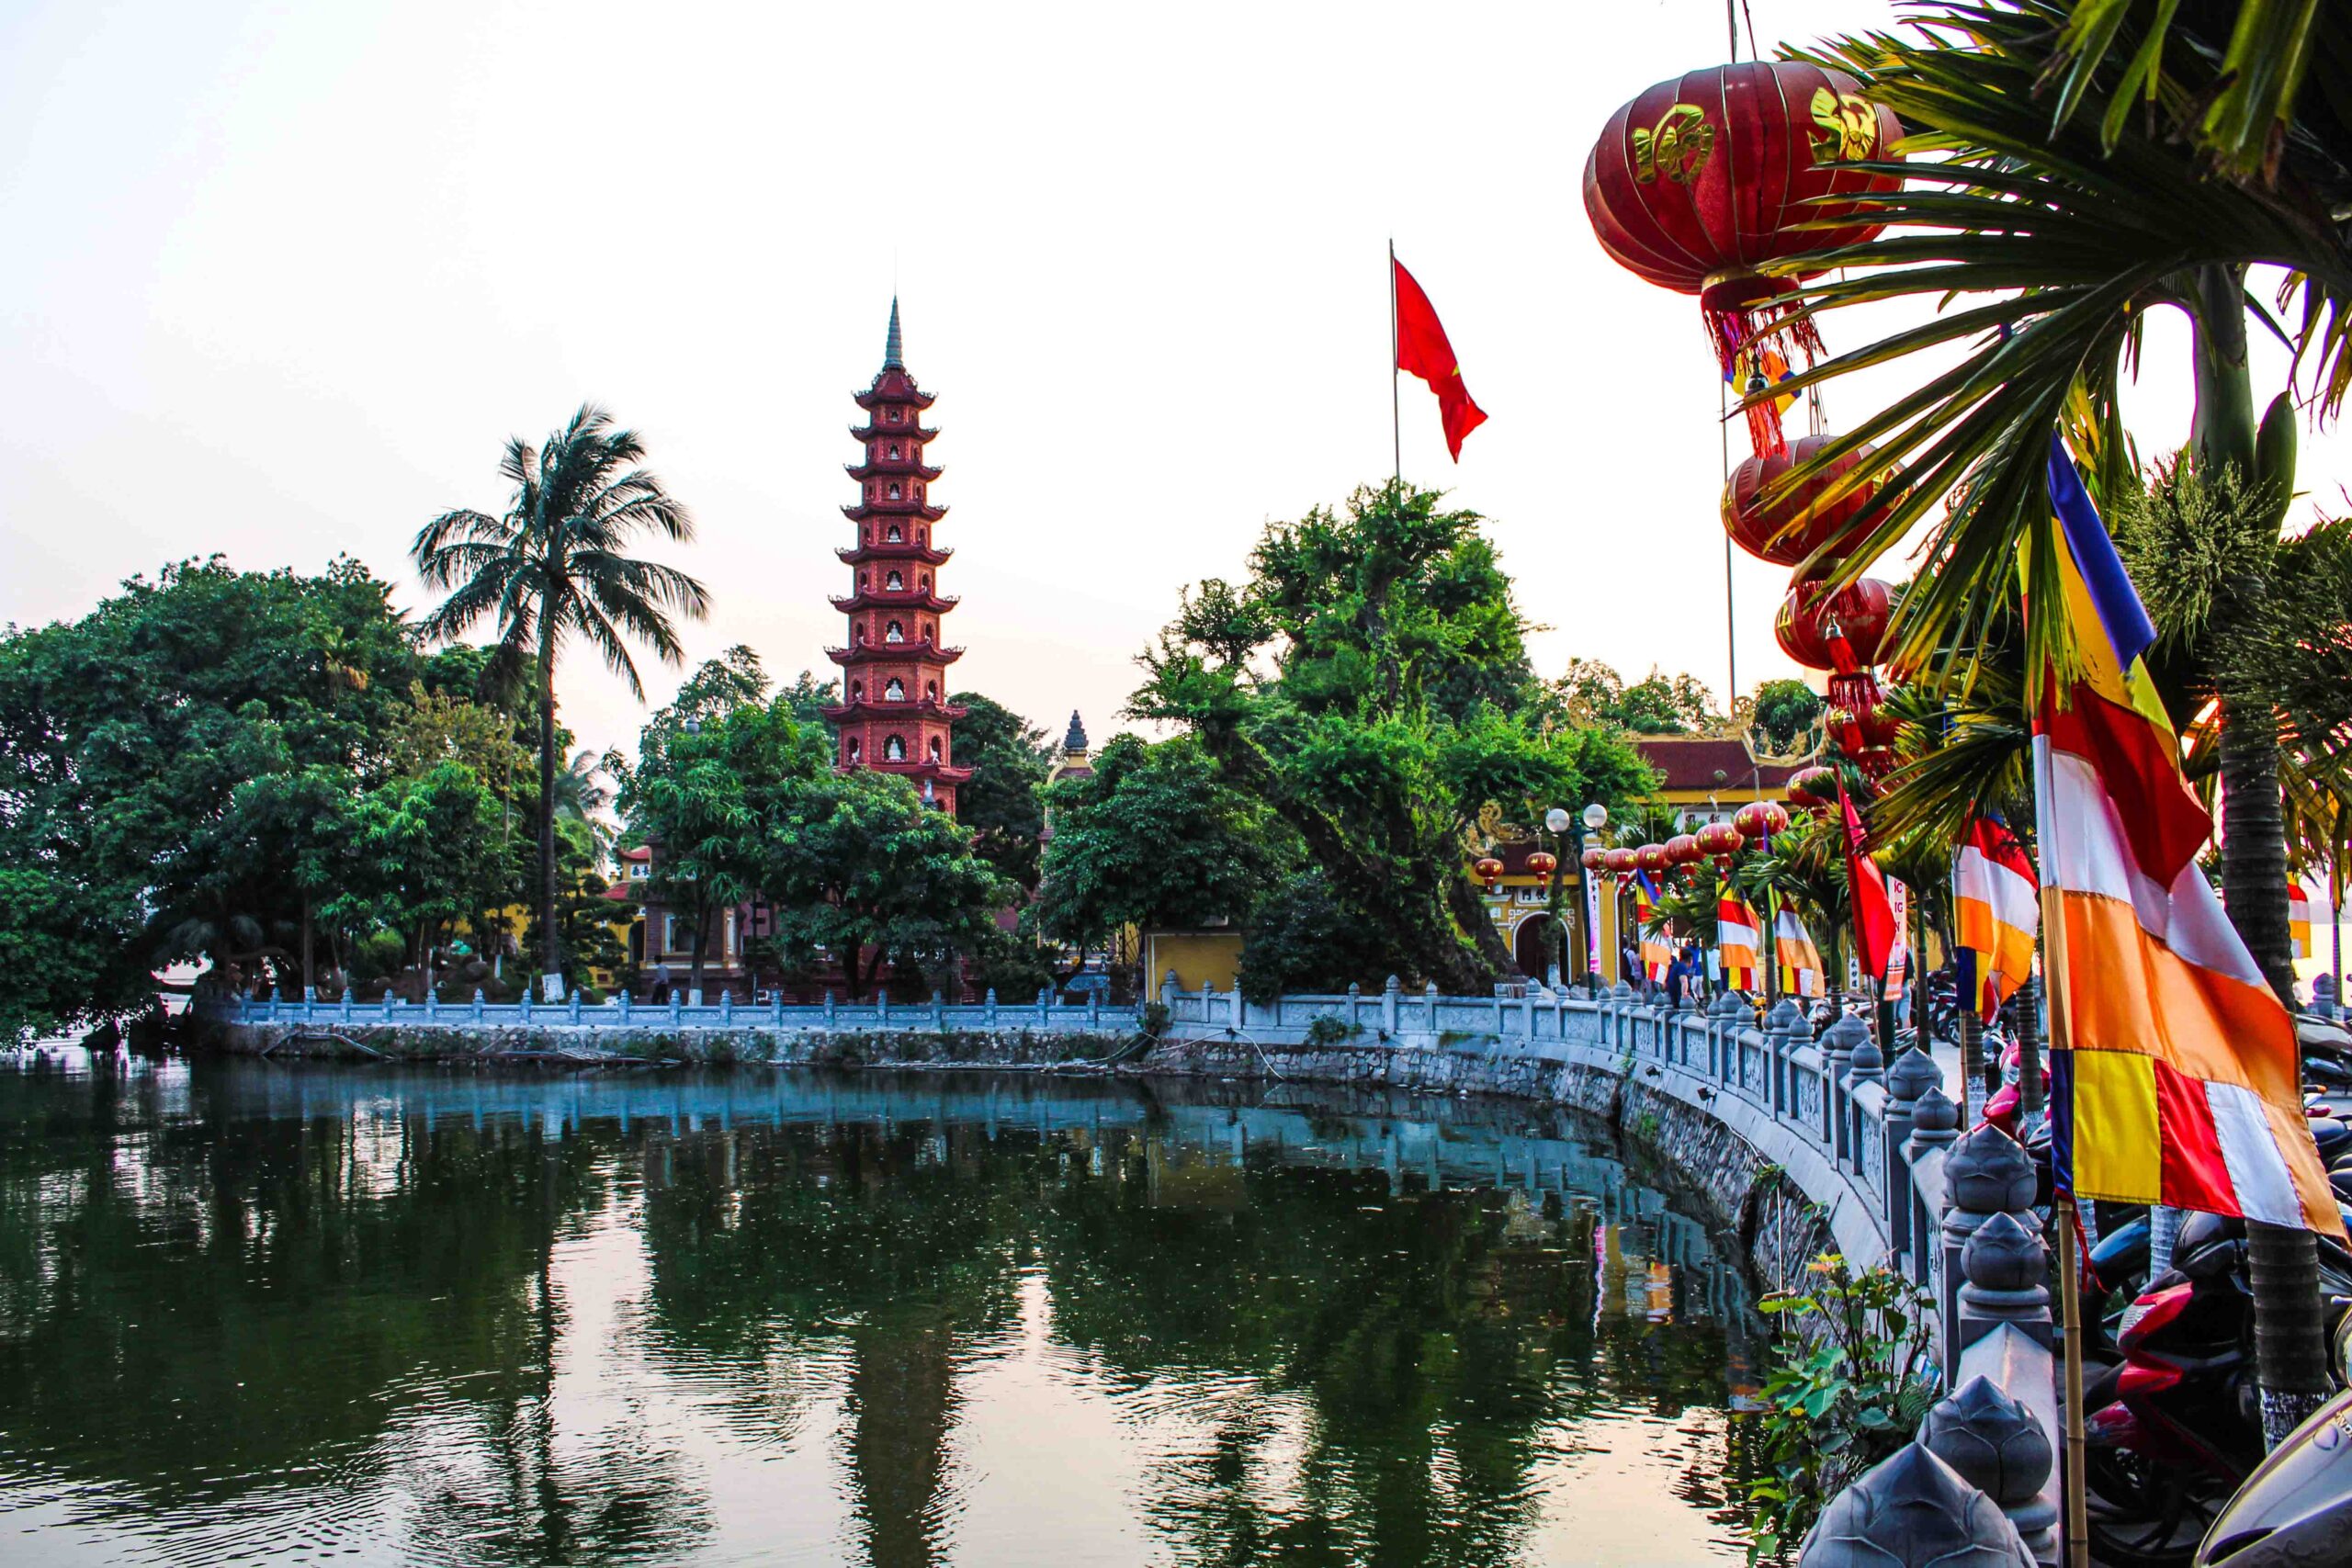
2151	176
550	569
581	792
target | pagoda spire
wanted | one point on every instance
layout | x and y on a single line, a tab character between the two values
891	352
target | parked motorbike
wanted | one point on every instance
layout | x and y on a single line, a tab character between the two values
2296	1508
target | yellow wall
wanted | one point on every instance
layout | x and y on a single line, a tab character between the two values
1199	958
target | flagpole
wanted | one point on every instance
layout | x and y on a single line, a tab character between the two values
1396	420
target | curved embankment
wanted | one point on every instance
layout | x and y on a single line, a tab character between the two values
1674	1085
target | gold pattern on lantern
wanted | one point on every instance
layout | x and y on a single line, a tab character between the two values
1678	148
1848	127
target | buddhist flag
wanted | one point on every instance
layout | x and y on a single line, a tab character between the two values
2299	918
1800	960
1737	934
1997	907
1898	961
2175	1067
1422	349
1657	953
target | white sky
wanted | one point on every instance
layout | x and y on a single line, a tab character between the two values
278	280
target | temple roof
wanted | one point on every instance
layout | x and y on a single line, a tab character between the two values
1708	762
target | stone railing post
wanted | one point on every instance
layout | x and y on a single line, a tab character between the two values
775	1008
882	1007
432	1004
347	999
727	1007
1391	995
1913	1510
1429	1003
1355	1001
310	1004
523	1008
1913	1074
989	1003
628	1005
1865	1066
389	1000
677	1007
1527	1015
1985	1175
1046	1005
1784	1026
939	1012
830	1010
1996	1445
574	1004
1845	1035
477	1004
1166	993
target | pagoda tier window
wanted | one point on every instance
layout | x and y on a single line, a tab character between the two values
894	749
926	583
936	755
893	691
918	493
857	691
894	448
893	535
894	583
930	691
849	748
894	632
898	416
894	493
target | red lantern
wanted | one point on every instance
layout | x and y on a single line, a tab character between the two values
1863	728
1775	816
1652	858
1542	865
1720	839
1682	850
1813	788
1698	182
1785	526
1621	861
1749	820
1844	631
1488	868
1593	860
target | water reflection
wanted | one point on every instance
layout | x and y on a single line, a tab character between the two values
411	1317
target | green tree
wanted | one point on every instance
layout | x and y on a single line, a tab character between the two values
859	866
1658	703
1002	803
553	568
1154	836
1784	710
125	734
421	846
1369	687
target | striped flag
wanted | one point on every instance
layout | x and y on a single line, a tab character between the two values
1658	953
1898	962
1801	972
2298	917
2175	1067
1997	907
1737	931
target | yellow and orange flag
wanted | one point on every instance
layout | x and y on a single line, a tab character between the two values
2176	1068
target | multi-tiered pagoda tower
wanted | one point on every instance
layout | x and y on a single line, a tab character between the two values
895	715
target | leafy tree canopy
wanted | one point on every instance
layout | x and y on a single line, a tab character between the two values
1002	803
1656	704
1369	687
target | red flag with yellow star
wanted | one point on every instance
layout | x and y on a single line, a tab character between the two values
1422	349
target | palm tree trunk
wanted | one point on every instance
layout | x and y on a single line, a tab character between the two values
2290	1328
550	943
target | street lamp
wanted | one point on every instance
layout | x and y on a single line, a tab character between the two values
1596	817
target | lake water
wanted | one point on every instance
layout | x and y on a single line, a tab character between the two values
302	1312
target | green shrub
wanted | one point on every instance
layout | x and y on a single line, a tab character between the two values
1155	1019
1848	1388
1330	1029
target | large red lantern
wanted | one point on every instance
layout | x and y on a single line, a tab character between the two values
1682	850
1652	858
1775	816
1719	839
1489	869
1543	865
1749	820
1787	526
1593	860
1813	623
1700	181
1621	860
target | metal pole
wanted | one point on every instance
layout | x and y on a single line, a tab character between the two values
2078	1544
1396	420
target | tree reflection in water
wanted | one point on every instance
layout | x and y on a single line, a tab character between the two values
892	1321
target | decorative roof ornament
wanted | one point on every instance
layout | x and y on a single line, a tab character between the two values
891	351
1075	741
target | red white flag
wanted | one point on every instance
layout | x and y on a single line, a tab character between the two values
1422	349
1874	922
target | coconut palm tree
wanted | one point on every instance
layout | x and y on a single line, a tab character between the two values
551	569
581	792
2099	160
